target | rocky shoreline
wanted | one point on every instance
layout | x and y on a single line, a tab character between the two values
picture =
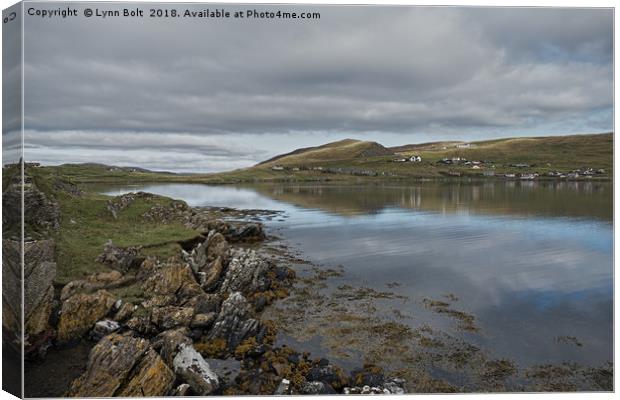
189	312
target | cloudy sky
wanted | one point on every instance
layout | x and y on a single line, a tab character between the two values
209	95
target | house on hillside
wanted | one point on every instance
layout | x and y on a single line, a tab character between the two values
277	168
415	158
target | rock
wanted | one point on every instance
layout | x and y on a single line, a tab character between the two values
152	378
247	273
217	247
181	390
168	343
234	323
11	293
394	385
141	324
124	313
171	316
247	233
205	303
121	365
122	259
283	388
91	283
104	328
211	274
203	320
172	279
370	375
80	312
324	372
316	387
191	367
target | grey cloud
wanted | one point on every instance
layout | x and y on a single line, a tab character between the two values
357	70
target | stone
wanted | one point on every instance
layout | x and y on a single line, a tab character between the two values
109	365
172	279
192	368
217	247
168	343
120	258
247	273
124	312
234	323
316	387
151	378
80	312
283	388
104	328
203	320
247	233
182	390
211	274
171	316
205	303
91	283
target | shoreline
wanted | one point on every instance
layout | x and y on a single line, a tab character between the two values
259	360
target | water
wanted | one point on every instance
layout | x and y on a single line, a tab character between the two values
532	261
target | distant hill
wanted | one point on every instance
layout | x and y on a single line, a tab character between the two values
430	146
115	168
346	149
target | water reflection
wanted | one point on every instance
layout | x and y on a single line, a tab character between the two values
532	261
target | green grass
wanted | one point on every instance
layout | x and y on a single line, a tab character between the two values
86	225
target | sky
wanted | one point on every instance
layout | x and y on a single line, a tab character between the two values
206	95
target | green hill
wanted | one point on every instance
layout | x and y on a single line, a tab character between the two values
342	150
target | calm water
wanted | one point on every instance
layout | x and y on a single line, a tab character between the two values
532	261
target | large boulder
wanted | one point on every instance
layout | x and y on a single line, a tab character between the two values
11	293
247	272
171	316
80	312
120	258
192	368
172	280
121	365
234	323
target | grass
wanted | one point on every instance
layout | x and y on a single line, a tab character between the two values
86	225
542	154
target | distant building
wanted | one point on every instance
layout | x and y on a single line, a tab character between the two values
277	168
415	158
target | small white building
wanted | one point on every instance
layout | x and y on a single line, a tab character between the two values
277	168
415	158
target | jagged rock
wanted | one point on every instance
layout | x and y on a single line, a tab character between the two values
104	328
171	316
205	303
283	388
247	273
93	282
217	247
80	312
141	324
211	274
247	233
152	378
181	390
173	279
395	385
327	373
121	365
316	387
168	343
234	322
203	320
388	386
191	367
124	312
122	259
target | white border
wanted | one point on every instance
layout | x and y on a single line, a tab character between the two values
484	3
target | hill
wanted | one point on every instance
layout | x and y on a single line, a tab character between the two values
342	150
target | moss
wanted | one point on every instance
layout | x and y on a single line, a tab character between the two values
244	347
215	348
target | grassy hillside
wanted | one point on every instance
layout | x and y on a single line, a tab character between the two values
346	149
354	160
